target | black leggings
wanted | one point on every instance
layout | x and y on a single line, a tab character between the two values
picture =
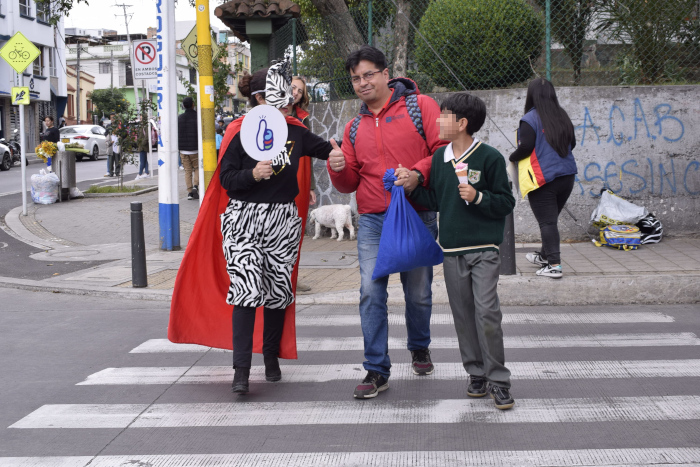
243	322
546	203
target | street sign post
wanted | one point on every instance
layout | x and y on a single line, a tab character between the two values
145	64
189	46
19	53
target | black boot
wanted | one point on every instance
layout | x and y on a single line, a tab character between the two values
272	368
240	380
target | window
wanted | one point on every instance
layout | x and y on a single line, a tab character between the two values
42	12
193	76
229	80
52	62
129	76
38	68
71	106
105	68
24	8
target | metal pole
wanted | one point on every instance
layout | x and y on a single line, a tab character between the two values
548	37
200	150
23	151
206	91
139	275
369	22
507	248
111	69
294	46
168	207
131	52
77	86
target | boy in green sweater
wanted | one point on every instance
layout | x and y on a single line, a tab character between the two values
472	218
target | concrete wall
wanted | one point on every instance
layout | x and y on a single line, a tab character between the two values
643	142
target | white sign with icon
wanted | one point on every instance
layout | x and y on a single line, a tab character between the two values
264	132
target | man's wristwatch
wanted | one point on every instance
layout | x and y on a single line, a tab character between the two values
421	178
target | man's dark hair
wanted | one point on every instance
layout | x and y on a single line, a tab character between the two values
187	102
49	117
468	106
368	53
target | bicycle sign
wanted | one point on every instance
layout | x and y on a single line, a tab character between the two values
19	52
189	46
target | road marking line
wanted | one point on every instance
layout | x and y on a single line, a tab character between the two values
608	409
669	457
401	371
308	344
508	318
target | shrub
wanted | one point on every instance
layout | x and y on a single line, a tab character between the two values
487	43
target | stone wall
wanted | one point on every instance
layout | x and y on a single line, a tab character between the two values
643	142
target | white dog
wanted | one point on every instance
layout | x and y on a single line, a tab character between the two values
335	216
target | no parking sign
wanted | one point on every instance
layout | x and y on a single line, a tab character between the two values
145	66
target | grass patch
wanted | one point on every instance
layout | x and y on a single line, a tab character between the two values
113	189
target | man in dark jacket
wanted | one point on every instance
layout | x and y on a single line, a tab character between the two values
187	142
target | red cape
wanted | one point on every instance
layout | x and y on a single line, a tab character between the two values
199	313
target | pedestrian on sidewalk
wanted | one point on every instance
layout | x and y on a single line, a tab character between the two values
219	138
469	236
260	211
143	150
189	147
406	122
546	136
51	134
115	163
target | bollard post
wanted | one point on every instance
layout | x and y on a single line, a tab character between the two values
139	276
507	248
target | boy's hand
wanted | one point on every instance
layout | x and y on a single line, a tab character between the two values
401	175
336	159
467	192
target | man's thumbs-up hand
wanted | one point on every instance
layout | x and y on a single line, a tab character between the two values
336	160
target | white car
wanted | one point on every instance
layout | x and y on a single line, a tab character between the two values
92	137
5	158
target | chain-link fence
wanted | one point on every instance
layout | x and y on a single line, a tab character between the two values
447	45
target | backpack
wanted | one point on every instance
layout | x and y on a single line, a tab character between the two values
413	112
623	237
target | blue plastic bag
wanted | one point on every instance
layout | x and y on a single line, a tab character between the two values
406	243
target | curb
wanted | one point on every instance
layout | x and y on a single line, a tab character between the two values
119	195
512	291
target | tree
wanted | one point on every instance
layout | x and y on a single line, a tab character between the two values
347	37
222	71
108	101
570	20
59	8
652	26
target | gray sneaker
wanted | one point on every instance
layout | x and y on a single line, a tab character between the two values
371	386
536	258
501	396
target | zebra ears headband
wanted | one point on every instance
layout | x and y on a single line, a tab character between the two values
278	88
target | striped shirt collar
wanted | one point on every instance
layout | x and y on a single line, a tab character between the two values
450	155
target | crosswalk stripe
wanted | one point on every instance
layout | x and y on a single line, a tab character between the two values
402	371
669	457
608	409
307	344
508	318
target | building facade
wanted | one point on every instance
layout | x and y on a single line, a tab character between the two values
79	110
45	77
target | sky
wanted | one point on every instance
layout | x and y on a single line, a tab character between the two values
102	14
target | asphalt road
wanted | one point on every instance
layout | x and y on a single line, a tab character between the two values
94	381
14	254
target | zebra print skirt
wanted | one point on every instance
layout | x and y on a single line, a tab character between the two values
261	246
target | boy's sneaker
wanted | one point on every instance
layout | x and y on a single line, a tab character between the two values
477	386
195	193
536	258
190	196
421	362
108	174
371	386
501	396
554	272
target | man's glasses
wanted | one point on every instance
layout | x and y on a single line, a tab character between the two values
367	77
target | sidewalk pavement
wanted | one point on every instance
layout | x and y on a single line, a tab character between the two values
98	228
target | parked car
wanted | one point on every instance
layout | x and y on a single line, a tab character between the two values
92	137
5	157
15	148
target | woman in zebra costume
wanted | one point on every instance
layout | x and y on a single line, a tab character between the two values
261	227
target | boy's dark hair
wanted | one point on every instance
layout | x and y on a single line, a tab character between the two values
49	117
220	131
465	105
187	102
368	53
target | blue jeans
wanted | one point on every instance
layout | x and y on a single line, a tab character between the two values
143	162
417	288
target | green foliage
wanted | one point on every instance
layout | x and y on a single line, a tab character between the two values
59	8
108	101
496	39
222	70
652	27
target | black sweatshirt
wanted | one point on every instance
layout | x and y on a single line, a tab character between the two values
527	143
237	168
